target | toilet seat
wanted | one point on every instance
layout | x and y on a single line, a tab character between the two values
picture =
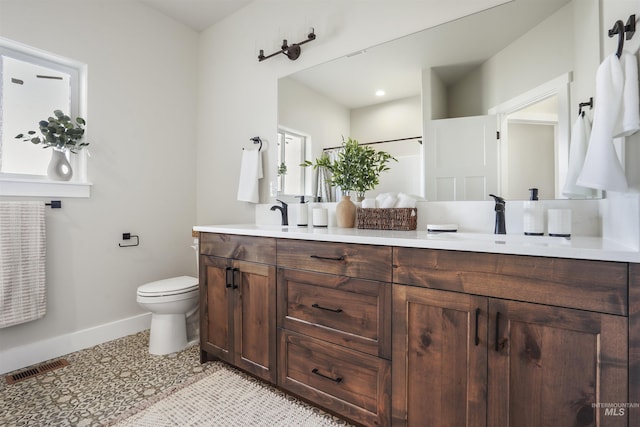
167	287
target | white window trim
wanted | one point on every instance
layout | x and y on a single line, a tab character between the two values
41	186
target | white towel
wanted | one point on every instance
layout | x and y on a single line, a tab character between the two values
628	121
22	262
388	202
250	174
369	204
580	134
602	169
405	201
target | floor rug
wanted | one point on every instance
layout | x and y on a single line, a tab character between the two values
220	398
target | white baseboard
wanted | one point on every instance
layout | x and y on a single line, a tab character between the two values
40	351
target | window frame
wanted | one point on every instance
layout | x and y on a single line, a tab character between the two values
41	186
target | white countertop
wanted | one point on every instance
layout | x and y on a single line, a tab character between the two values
594	248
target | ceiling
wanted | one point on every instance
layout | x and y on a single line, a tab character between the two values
197	14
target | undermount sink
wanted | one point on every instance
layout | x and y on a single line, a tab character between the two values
502	239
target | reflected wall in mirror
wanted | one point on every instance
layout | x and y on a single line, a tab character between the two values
461	69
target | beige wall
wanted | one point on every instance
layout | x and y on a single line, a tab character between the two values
304	110
526	63
142	69
401	118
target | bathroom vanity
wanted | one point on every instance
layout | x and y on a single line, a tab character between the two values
406	328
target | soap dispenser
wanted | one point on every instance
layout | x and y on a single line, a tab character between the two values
533	220
303	213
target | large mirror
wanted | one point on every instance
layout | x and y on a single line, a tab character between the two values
441	96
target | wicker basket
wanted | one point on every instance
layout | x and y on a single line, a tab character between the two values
387	219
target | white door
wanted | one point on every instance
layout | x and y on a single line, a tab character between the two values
461	158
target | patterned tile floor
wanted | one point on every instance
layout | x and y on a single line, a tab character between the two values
99	384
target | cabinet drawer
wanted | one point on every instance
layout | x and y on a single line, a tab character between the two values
344	259
584	284
244	248
355	313
350	383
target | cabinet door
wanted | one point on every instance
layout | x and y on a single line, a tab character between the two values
548	366
216	299
255	318
439	358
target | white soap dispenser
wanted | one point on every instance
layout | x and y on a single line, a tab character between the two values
533	221
303	213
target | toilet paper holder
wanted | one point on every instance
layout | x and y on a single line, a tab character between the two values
128	236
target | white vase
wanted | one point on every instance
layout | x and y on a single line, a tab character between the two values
59	167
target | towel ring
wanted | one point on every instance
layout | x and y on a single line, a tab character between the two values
257	140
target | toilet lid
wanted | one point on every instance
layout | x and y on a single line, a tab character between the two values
172	286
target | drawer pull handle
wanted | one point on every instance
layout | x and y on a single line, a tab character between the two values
335	380
498	331
235	282
477	340
328	258
333	310
229	277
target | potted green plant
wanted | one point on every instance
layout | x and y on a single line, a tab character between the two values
62	135
357	168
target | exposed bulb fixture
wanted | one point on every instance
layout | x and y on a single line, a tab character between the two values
380	92
292	52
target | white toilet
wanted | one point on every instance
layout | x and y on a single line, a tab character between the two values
170	302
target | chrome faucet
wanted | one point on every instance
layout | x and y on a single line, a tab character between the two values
501	227
284	211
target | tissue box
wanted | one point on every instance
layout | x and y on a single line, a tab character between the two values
387	219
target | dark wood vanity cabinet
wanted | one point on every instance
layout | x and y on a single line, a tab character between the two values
335	329
238	301
405	336
479	360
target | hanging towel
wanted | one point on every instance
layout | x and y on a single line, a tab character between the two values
580	134
250	174
22	262
628	121
602	169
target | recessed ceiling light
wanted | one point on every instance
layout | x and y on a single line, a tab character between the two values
380	92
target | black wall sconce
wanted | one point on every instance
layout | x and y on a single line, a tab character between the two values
292	52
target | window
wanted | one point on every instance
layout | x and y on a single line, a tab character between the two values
34	83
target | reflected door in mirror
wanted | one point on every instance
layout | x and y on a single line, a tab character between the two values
461	158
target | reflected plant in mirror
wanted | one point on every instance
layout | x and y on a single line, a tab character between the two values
357	167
